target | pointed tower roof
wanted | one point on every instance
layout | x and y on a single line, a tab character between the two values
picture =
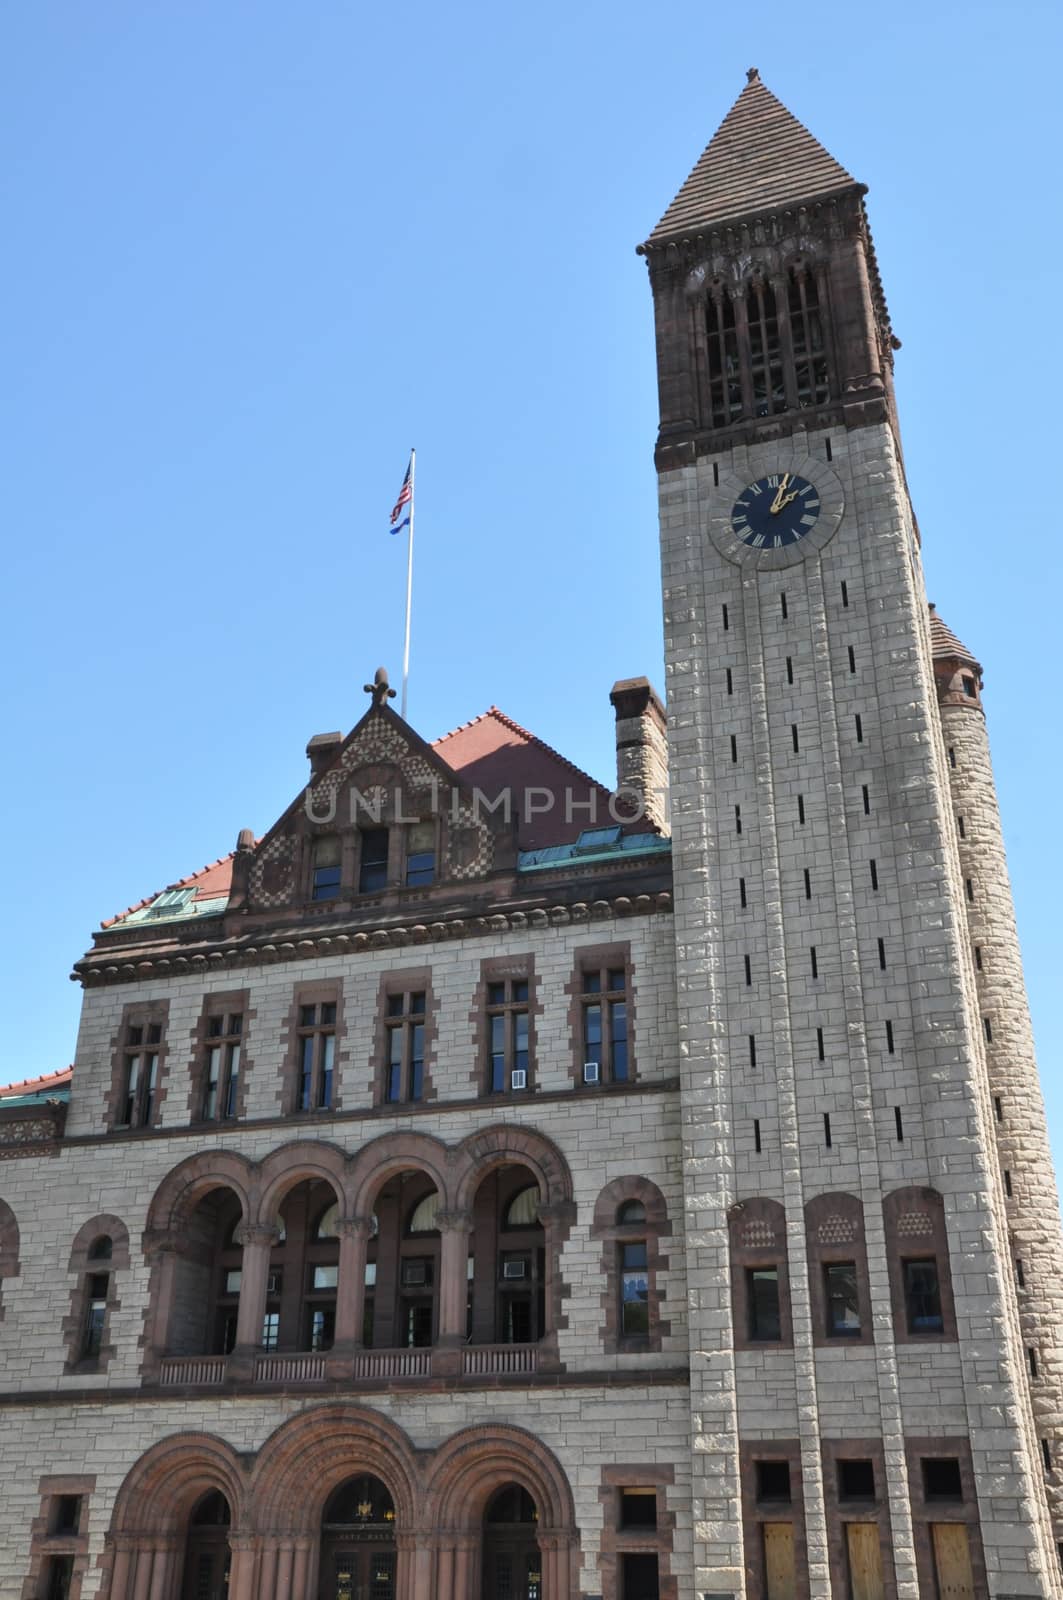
944	644
759	158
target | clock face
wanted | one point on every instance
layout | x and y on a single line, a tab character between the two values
777	510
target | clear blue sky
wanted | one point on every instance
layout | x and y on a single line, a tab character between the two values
254	250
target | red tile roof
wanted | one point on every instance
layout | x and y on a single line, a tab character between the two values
48	1080
759	158
493	753
210	882
945	645
490	753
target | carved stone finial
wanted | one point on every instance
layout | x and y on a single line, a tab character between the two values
380	689
752	74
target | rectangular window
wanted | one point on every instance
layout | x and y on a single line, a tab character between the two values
922	1296
271	1327
638	1577
856	1480
605	1019
373	861
762	1289
638	1508
634	1289
405	1046
222	1076
95	1316
507	1034
328	853
420	854
317	1055
773	1480
942	1479
66	1514
141	1069
60	1576
843	1301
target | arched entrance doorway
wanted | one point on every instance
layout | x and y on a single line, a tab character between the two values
207	1558
358	1554
513	1564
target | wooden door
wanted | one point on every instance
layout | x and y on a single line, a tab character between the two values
952	1561
513	1570
779	1560
362	1574
206	1569
865	1561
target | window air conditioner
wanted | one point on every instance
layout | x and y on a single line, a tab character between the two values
518	1078
514	1269
592	1072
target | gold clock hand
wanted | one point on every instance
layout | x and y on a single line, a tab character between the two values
777	504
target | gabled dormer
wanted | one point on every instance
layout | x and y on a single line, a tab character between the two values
769	310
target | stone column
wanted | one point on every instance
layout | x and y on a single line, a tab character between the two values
445	1569
257	1241
162	1251
350	1294
557	1219
465	1555
454	1228
285	1560
123	1559
162	1569
242	1569
142	1572
267	1571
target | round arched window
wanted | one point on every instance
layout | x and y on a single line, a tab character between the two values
102	1249
423	1215
631	1211
328	1223
523	1209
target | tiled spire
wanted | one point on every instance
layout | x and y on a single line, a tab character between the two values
760	158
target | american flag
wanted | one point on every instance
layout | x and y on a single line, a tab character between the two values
405	499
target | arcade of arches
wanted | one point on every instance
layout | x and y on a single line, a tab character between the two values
339	1505
317	1255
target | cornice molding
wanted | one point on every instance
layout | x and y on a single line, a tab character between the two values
99	970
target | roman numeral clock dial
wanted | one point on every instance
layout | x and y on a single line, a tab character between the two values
778	518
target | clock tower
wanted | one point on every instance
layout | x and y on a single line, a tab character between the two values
868	1341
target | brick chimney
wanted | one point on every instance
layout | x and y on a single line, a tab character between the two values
642	746
323	750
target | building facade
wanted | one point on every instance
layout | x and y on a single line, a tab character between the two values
484	1186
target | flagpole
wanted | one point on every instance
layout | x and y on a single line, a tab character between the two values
409	591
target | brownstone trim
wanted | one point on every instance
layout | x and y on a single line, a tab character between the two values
613	1234
160	1489
81	1263
834	1231
617	1541
404	980
304	1459
841	1512
226	1002
589	958
473	1464
497	969
9	1248
755	1513
322	991
925	1512
46	1541
915	1230
757	1232
145	1014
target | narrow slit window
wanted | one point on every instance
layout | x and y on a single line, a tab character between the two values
726	620
987	1028
882	955
789	669
898	1122
801	808
794	736
782	606
852	659
874	873
742	891
814	961
998	1108
867	801
819	1044
749	972
978	956
889	1038
730	681
952	756
960	826
738	819
826	1129
752	1049
828	450
808	884
859	729
968	889
845	590
756	1135
734	748
1007	1183
1031	1357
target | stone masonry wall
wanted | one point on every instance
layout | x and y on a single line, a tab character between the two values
1032	1207
774	777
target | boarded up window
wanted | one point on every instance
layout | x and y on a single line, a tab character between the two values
778	1560
865	1560
952	1561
